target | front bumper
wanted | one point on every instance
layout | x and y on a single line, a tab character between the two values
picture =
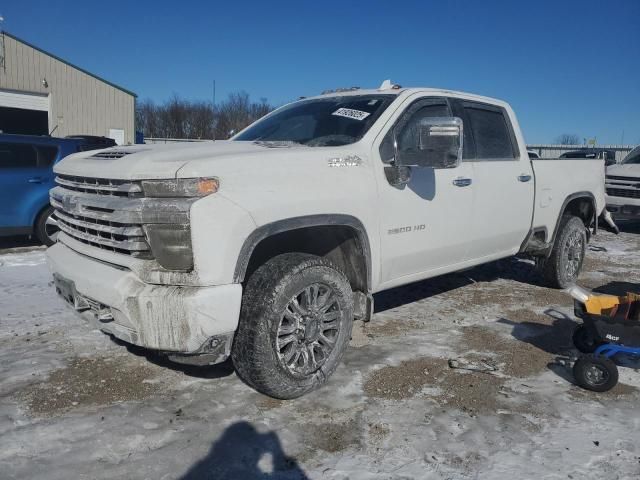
623	208
188	320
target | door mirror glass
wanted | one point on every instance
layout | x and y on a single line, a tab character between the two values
434	142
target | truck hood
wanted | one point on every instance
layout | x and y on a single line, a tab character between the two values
630	170
159	161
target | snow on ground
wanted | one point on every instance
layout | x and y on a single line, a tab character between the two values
74	404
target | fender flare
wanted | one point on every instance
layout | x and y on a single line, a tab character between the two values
529	244
295	223
566	202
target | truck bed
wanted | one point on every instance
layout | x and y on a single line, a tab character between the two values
563	177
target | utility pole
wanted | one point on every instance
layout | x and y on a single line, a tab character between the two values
213	109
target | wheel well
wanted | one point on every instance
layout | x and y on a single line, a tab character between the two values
38	215
341	244
581	207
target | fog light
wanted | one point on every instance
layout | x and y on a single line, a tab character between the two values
171	245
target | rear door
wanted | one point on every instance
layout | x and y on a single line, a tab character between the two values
26	176
503	184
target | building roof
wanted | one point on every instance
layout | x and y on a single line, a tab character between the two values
68	63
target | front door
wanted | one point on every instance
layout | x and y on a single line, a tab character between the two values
26	176
424	226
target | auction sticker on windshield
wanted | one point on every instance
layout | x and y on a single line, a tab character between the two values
350	113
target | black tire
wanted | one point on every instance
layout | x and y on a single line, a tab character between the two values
44	232
584	341
563	266
260	347
598	374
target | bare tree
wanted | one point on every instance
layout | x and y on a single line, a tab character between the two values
179	118
568	139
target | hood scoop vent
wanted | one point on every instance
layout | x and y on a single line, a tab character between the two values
111	154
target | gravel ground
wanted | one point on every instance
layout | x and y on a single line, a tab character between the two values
462	376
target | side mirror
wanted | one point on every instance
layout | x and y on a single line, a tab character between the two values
431	142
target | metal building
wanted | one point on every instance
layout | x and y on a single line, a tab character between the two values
43	94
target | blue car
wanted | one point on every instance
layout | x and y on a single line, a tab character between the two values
26	176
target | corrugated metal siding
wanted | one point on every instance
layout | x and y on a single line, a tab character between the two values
79	102
554	151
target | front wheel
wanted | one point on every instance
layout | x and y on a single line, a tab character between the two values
46	227
295	324
563	266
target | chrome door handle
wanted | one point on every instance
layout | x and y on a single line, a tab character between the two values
462	182
524	177
35	180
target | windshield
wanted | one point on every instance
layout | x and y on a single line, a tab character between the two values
321	122
633	157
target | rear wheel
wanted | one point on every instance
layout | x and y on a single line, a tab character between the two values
598	374
563	266
46	227
295	324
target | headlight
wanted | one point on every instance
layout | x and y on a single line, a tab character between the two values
180	187
171	245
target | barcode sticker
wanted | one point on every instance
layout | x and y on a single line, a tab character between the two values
349	113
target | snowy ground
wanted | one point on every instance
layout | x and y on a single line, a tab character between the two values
73	404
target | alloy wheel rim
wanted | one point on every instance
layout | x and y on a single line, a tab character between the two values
573	249
308	329
51	228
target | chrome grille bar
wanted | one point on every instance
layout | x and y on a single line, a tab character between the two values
100	186
129	246
104	227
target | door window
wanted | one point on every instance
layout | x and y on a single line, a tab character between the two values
18	155
407	132
46	155
491	132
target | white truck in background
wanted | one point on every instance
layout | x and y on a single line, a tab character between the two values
622	186
267	246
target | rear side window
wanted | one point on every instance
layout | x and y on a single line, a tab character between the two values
18	155
491	132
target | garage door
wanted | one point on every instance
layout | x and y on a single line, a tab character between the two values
24	101
24	113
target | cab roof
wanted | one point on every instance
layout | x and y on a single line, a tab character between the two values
402	91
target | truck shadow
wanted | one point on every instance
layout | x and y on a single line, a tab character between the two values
7	243
242	452
516	269
629	226
210	372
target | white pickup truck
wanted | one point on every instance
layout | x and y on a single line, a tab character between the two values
623	187
267	246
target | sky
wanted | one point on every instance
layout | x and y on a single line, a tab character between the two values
569	66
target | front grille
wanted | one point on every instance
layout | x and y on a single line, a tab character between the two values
100	186
626	179
623	192
101	213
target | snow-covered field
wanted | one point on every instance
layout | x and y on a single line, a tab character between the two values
75	405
